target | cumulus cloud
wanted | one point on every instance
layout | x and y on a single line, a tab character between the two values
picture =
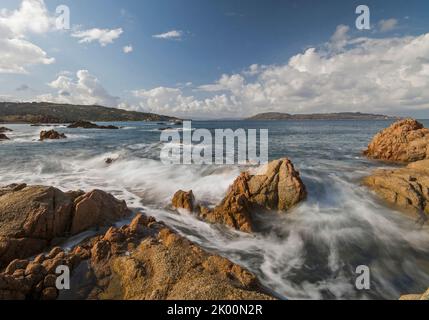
16	51
31	17
340	37
16	54
84	89
347	74
167	100
388	25
128	49
102	36
170	35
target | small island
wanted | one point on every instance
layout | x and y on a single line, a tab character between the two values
272	116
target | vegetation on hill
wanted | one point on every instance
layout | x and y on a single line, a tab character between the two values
43	112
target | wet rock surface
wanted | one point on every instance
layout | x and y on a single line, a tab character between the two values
4	129
51	135
276	187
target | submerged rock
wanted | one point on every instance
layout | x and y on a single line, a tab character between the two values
90	125
404	141
277	187
3	137
4	129
406	188
109	160
165	129
51	135
31	217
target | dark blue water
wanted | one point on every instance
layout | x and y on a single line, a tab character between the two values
310	253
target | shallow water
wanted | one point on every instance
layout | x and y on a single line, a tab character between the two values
311	253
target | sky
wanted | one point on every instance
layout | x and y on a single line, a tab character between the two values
206	59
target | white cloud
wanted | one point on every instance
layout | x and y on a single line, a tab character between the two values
340	37
170	35
31	17
231	83
128	49
388	25
17	52
347	74
166	100
102	36
85	89
253	70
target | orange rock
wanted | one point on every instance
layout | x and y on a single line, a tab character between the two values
277	187
404	141
49	294
184	200
97	208
406	188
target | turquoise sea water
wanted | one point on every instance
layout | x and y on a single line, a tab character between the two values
311	253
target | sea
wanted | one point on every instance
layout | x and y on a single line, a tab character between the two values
312	252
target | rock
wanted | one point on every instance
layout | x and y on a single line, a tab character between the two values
12	187
109	160
144	260
95	209
164	265
54	252
164	129
422	297
277	187
4	129
33	282
90	125
16	265
31	217
50	281
51	135
404	141
3	137
184	200
406	188
49	294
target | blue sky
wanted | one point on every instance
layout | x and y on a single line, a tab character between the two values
183	75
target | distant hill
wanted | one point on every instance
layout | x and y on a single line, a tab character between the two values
43	112
320	116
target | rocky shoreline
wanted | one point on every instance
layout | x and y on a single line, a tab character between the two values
147	259
406	188
142	260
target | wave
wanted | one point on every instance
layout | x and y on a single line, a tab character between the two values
310	253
